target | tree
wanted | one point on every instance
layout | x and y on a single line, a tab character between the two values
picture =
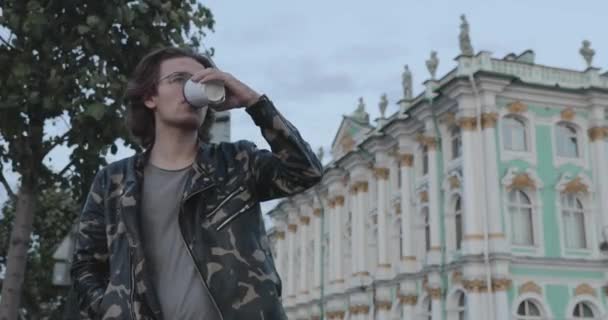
53	219
68	61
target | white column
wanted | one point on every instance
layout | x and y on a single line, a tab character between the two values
501	301
318	238
355	241
436	305
434	256
597	136
291	240
337	229
473	232
492	183
475	300
409	307
303	275
384	265
361	231
281	254
408	255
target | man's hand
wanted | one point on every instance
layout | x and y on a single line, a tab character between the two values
238	94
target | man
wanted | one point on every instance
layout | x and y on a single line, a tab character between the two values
176	232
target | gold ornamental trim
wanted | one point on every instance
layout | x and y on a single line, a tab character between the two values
335	314
575	186
517	107
435	293
384	265
337	281
360	273
597	133
406	160
498	235
568	114
435	248
408	258
475	285
530	287
456	277
383	305
353	190
454	182
305	220
424	196
585	289
428	141
317	212
398	208
332	203
522	181
359	309
280	235
488	120
501	284
467	123
381	173
292	227
408	300
339	200
475	236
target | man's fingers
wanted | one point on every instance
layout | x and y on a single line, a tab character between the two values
203	73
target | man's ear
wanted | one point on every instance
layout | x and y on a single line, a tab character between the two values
150	102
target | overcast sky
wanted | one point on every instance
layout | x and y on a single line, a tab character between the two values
315	58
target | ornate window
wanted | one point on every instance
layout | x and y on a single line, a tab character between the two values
567	141
427	228
582	310
458	221
514	132
456	142
461	308
425	160
427	309
522	223
573	216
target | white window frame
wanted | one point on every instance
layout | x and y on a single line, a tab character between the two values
593	302
453	307
538	300
579	125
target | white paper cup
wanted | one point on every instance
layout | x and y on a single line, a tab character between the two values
199	95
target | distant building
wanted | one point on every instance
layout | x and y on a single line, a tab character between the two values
484	197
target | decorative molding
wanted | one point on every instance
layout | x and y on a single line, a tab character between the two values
568	114
424	196
428	141
475	285
381	173
488	120
501	284
597	133
347	143
498	235
473	237
531	287
397	208
406	160
435	248
317	212
408	299
335	314
384	265
353	190
383	305
280	235
456	277
332	203
359	309
305	220
408	258
515	179
467	123
292	227
454	182
580	184
517	107
585	289
339	200
361	186
435	293
360	273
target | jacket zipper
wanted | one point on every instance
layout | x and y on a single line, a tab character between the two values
198	271
234	216
132	295
230	196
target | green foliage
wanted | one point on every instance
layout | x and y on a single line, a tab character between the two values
56	211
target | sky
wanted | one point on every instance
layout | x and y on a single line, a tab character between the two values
315	58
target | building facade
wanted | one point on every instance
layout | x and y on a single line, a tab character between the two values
483	197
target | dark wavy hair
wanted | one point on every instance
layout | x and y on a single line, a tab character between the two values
144	84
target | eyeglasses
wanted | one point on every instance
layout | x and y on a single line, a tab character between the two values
176	78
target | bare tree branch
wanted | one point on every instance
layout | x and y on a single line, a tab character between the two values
66	167
59	141
4	182
8	44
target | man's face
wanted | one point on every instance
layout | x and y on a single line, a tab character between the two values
169	105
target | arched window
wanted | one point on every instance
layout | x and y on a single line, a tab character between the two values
567	141
427	309
425	160
528	310
573	215
456	140
461	307
522	223
582	310
458	221
514	134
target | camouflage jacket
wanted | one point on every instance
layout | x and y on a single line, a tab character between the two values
220	221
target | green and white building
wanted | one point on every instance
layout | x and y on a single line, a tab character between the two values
483	197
